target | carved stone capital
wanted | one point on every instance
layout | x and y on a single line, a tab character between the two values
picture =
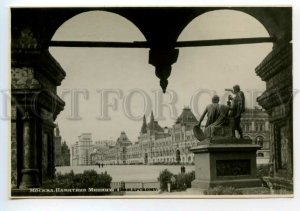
36	64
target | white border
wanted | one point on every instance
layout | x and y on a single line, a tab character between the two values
140	204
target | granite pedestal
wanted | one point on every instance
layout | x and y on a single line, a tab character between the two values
225	162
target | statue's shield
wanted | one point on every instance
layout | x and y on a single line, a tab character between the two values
198	133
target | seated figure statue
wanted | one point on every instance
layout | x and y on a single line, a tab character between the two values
217	124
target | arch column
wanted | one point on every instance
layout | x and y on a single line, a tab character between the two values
276	70
29	167
35	105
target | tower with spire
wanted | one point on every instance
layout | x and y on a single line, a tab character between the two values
148	135
151	123
152	127
144	126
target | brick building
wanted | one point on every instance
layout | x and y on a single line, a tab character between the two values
255	125
158	145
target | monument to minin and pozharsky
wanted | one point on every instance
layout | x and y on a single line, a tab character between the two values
222	159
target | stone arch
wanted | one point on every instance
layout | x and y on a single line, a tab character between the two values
278	25
263	30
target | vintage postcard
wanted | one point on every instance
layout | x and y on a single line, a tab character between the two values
151	102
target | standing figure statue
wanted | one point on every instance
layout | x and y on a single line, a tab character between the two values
237	104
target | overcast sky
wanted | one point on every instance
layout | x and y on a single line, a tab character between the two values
197	68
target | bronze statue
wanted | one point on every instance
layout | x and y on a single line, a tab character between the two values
217	118
237	107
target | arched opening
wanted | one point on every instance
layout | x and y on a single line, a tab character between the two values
209	70
93	71
98	26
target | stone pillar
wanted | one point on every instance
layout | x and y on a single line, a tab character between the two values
34	77
47	148
276	70
29	170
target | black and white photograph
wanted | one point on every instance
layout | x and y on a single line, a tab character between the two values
151	102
